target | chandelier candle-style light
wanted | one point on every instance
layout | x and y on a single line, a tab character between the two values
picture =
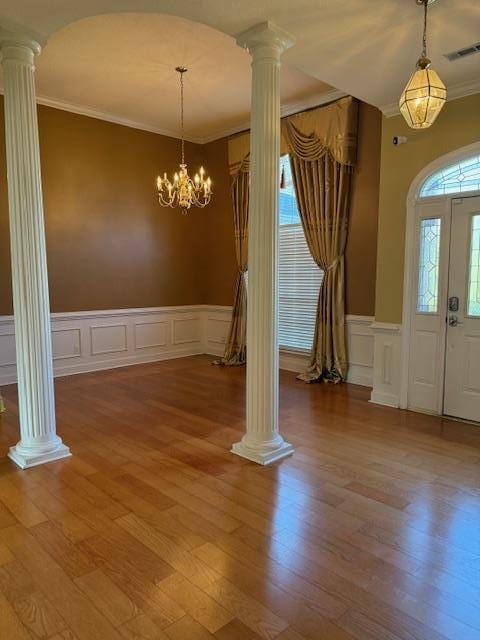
183	191
425	94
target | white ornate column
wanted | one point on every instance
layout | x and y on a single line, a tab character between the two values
38	440
262	442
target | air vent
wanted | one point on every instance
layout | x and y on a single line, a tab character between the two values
464	52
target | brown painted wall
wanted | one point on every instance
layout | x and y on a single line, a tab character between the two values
361	253
109	244
221	266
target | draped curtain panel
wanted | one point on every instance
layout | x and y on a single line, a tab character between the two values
322	147
236	349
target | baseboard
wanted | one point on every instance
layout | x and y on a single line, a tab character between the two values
386	399
89	341
124	362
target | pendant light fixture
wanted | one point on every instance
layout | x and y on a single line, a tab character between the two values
425	94
183	191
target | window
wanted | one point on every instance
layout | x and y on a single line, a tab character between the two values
474	275
456	178
428	265
299	276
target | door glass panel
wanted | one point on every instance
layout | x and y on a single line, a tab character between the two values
474	273
456	178
428	265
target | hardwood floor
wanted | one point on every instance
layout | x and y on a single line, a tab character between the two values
153	530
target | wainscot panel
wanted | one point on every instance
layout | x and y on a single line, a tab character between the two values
94	340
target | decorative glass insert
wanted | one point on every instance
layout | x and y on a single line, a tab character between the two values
456	178
428	265
474	275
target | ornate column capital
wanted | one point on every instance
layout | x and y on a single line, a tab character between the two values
19	43
266	40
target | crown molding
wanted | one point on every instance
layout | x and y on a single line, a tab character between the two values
110	117
286	110
454	92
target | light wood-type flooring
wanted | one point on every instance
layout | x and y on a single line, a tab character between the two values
152	530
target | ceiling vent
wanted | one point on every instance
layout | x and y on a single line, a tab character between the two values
464	52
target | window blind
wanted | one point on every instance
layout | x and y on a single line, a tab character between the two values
299	276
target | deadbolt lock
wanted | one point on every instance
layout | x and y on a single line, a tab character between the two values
453	303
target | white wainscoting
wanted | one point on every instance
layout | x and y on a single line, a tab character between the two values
359	345
387	363
93	340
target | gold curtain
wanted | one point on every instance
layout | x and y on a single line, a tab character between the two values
235	349
322	147
331	130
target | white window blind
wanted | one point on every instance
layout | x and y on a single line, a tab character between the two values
299	276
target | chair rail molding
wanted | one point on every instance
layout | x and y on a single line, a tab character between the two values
85	341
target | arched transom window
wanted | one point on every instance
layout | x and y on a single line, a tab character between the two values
455	178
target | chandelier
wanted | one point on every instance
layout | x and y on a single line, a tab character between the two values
425	94
183	191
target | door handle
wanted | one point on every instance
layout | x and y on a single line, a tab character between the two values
453	321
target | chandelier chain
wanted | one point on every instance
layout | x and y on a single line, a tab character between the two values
181	116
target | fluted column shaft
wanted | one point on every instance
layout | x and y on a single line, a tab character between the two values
38	440
262	442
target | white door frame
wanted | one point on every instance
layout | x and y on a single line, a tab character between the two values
409	275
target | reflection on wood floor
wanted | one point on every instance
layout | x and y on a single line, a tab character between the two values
153	530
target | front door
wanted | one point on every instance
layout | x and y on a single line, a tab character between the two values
462	354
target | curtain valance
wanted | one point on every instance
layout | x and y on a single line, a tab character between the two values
331	129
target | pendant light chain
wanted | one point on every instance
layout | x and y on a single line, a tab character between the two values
425	21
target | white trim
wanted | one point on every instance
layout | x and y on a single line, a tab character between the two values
387	348
408	279
208	336
454	92
286	110
386	327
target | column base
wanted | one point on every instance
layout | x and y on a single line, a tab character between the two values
264	457
25	461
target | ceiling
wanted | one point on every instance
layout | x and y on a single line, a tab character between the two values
123	64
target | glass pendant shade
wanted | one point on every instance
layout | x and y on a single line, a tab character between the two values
423	98
425	94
